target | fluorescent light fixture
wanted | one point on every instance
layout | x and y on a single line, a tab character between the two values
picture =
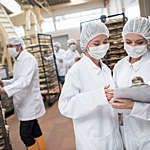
11	5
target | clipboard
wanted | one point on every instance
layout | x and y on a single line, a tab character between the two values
137	93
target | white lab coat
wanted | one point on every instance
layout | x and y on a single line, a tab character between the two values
69	58
136	129
83	99
25	88
59	61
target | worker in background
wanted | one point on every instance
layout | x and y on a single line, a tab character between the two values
85	95
136	115
72	55
25	89
60	54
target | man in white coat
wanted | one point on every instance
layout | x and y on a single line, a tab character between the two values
85	95
25	89
60	54
136	115
72	54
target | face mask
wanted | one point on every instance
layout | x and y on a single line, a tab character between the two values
73	47
98	52
135	51
13	52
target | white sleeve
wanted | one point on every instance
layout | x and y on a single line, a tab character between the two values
75	104
141	110
50	58
115	76
7	82
27	70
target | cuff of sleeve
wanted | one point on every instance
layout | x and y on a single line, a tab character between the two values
8	91
4	82
100	97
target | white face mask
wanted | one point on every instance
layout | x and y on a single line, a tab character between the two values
13	52
98	52
135	51
73	47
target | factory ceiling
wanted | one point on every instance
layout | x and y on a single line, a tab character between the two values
43	2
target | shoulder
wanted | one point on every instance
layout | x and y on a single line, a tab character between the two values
121	62
28	57
77	67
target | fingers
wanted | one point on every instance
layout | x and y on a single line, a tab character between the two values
109	91
117	105
122	104
106	87
109	96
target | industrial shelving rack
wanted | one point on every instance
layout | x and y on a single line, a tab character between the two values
116	51
49	83
4	132
7	103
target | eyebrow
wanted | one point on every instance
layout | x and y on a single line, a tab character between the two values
100	40
136	40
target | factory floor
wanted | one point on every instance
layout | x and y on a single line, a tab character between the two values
58	131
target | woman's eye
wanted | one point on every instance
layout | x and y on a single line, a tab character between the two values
105	42
128	42
96	44
140	43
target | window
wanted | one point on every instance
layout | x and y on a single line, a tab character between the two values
48	25
73	20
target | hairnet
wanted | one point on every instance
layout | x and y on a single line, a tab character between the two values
90	31
57	44
138	25
71	41
16	41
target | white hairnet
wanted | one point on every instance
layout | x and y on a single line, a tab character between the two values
15	41
90	31
57	44
138	25
71	41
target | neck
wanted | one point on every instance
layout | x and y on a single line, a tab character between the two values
95	61
133	60
18	54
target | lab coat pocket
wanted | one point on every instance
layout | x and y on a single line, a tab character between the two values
104	143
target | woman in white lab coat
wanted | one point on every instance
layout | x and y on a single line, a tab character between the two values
83	98
136	115
60	54
72	55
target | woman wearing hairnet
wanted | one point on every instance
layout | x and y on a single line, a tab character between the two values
83	98
136	115
72	55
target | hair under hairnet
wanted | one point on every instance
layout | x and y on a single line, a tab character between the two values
90	31
16	41
138	25
71	41
57	44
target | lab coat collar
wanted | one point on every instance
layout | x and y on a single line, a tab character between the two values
92	64
21	55
137	65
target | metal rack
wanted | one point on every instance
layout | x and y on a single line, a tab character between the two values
4	133
116	50
7	103
49	84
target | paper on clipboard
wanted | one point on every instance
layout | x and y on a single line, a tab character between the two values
139	93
